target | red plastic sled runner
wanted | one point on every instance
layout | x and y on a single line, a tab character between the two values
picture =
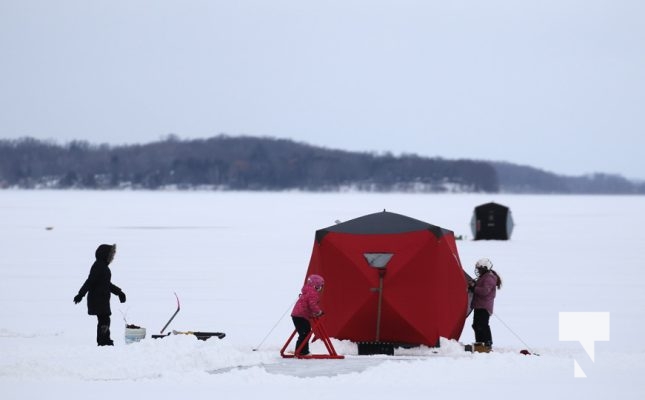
317	329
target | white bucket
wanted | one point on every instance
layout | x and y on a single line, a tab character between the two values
134	334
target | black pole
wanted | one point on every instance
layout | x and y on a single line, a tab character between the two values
173	316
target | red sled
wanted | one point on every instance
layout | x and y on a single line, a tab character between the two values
318	330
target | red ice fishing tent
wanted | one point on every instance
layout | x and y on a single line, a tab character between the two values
390	278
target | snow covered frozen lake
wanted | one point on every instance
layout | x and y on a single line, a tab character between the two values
237	261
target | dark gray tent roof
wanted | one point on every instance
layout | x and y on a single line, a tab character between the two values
381	223
490	206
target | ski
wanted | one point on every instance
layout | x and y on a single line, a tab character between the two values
198	335
201	335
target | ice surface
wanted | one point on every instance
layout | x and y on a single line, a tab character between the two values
237	261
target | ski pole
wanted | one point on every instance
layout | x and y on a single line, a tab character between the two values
274	326
173	316
516	335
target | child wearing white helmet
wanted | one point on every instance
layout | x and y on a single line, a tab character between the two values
484	291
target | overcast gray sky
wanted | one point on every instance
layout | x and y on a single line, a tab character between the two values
555	84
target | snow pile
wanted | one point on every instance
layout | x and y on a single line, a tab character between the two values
174	357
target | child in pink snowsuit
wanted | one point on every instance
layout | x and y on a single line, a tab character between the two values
307	307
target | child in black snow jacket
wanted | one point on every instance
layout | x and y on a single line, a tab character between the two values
98	288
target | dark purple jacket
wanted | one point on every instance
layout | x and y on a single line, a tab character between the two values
485	291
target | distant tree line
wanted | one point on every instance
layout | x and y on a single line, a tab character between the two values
522	179
231	163
253	163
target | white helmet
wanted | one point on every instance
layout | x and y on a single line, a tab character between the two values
484	263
